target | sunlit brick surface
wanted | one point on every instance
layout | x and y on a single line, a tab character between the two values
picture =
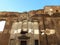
47	18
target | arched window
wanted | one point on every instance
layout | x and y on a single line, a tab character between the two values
57	11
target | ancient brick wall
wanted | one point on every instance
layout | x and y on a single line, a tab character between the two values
11	17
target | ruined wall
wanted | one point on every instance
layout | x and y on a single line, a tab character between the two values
54	9
9	17
39	15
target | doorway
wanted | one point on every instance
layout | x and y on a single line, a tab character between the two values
36	42
23	43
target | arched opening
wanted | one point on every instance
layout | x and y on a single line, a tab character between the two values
57	11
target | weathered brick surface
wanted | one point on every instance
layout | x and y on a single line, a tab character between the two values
4	39
11	17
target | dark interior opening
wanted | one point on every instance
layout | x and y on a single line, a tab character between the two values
23	32
23	43
36	42
57	11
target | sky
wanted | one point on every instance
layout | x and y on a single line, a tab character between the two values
25	5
